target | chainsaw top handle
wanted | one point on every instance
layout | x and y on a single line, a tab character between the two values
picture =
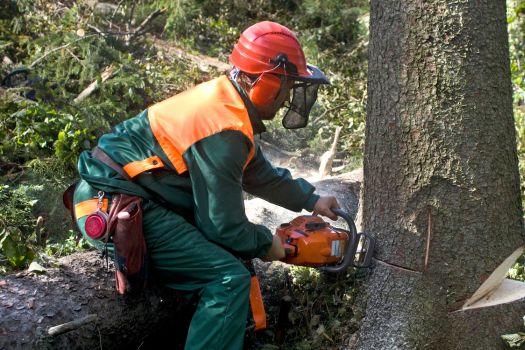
351	247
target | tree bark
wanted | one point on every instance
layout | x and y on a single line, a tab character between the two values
441	183
30	304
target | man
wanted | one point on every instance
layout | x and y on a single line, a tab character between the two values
190	157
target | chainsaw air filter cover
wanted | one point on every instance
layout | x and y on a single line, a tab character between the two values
310	241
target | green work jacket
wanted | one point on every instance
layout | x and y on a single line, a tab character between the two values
210	193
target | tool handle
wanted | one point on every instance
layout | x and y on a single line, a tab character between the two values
351	247
346	217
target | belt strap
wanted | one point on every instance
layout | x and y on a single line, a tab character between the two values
257	305
90	206
99	154
104	158
256	299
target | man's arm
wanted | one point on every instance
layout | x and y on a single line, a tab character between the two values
277	186
215	165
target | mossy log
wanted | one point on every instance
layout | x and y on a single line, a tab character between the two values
79	286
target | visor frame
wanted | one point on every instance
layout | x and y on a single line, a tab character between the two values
316	77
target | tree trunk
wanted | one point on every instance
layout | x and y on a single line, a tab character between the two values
441	182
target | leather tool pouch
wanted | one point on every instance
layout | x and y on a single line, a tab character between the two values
125	231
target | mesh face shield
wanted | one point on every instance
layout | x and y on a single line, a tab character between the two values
303	97
302	100
303	92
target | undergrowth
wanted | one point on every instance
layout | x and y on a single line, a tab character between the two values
322	316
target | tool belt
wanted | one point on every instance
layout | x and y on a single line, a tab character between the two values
121	226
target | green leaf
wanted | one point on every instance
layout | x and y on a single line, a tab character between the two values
11	251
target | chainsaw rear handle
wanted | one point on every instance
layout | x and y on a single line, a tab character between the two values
351	247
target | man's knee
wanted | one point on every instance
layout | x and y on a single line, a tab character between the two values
237	277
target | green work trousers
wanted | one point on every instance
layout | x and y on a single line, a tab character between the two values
182	259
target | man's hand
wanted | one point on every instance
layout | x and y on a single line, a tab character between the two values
323	205
276	251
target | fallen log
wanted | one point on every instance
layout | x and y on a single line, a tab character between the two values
32	304
70	294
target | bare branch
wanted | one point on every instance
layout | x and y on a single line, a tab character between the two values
140	29
96	30
74	56
106	74
116	9
328	111
69	326
59	48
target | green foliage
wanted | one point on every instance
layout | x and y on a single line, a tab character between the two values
517	272
70	142
29	130
212	27
519	115
54	124
15	248
69	246
322	313
514	341
17	235
42	129
516	19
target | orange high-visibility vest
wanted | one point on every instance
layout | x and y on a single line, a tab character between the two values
207	109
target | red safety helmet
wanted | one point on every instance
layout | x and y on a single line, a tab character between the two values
273	52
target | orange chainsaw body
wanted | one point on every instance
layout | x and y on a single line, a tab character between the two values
310	241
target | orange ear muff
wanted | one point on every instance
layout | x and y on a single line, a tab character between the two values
265	89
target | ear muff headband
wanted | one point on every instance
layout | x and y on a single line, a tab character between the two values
268	86
265	90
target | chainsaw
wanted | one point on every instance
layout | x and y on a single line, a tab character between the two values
310	241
